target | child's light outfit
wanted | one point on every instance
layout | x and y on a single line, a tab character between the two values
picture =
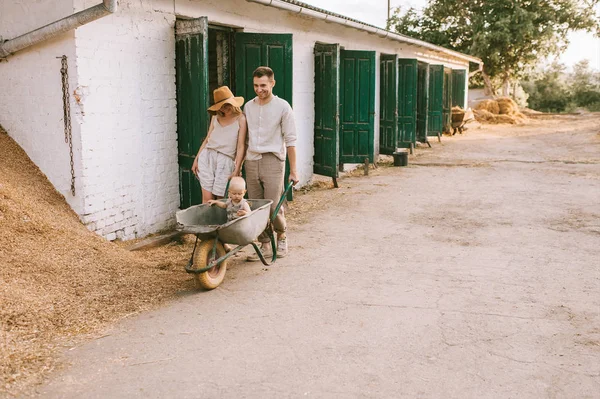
217	160
232	208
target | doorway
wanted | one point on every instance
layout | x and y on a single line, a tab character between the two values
209	56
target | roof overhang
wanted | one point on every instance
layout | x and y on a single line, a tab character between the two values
328	16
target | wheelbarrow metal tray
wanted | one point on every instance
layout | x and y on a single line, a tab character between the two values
457	118
207	222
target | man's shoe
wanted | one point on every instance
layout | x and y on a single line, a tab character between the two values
266	250
282	248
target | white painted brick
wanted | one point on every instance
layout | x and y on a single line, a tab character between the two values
130	231
100	224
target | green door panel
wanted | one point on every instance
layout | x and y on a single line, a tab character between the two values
422	100
191	82
357	103
260	49
436	100
459	82
327	100
407	102
447	100
388	103
274	50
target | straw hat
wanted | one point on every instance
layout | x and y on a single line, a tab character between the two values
222	96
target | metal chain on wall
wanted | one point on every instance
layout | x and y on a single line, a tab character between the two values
64	72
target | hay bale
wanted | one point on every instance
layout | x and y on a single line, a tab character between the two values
507	106
502	118
489	106
482	115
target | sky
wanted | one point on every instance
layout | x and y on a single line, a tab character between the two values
582	45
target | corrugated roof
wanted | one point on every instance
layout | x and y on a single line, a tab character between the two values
373	29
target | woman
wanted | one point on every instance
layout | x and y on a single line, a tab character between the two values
221	154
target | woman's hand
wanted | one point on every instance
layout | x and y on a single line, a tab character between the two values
195	166
235	173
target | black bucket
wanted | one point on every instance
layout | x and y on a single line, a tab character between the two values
400	158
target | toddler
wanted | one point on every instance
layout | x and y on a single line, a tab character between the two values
236	205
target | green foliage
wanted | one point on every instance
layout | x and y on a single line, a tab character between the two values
585	85
554	90
510	36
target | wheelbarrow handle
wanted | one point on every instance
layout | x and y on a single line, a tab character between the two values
283	197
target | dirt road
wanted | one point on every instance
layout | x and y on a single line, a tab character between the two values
474	272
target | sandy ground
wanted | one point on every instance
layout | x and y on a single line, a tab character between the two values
474	272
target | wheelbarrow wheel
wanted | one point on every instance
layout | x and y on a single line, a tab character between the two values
213	277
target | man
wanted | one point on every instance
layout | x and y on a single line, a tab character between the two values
271	133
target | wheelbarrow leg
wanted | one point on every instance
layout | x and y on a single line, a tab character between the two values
261	256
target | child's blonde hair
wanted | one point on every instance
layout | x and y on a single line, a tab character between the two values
237	183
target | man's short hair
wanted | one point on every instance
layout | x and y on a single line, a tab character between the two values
263	71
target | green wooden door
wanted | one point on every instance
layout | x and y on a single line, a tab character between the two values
357	106
327	101
191	82
436	100
407	103
260	49
422	100
388	103
447	100
459	82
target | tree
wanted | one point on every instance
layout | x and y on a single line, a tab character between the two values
552	89
547	89
510	36
585	86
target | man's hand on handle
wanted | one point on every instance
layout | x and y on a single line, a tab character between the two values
294	177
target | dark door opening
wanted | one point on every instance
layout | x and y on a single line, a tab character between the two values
220	55
422	101
447	98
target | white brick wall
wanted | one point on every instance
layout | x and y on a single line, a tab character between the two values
128	115
31	107
123	99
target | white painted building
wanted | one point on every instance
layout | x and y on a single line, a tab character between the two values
123	97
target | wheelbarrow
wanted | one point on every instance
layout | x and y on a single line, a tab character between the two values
209	224
460	118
